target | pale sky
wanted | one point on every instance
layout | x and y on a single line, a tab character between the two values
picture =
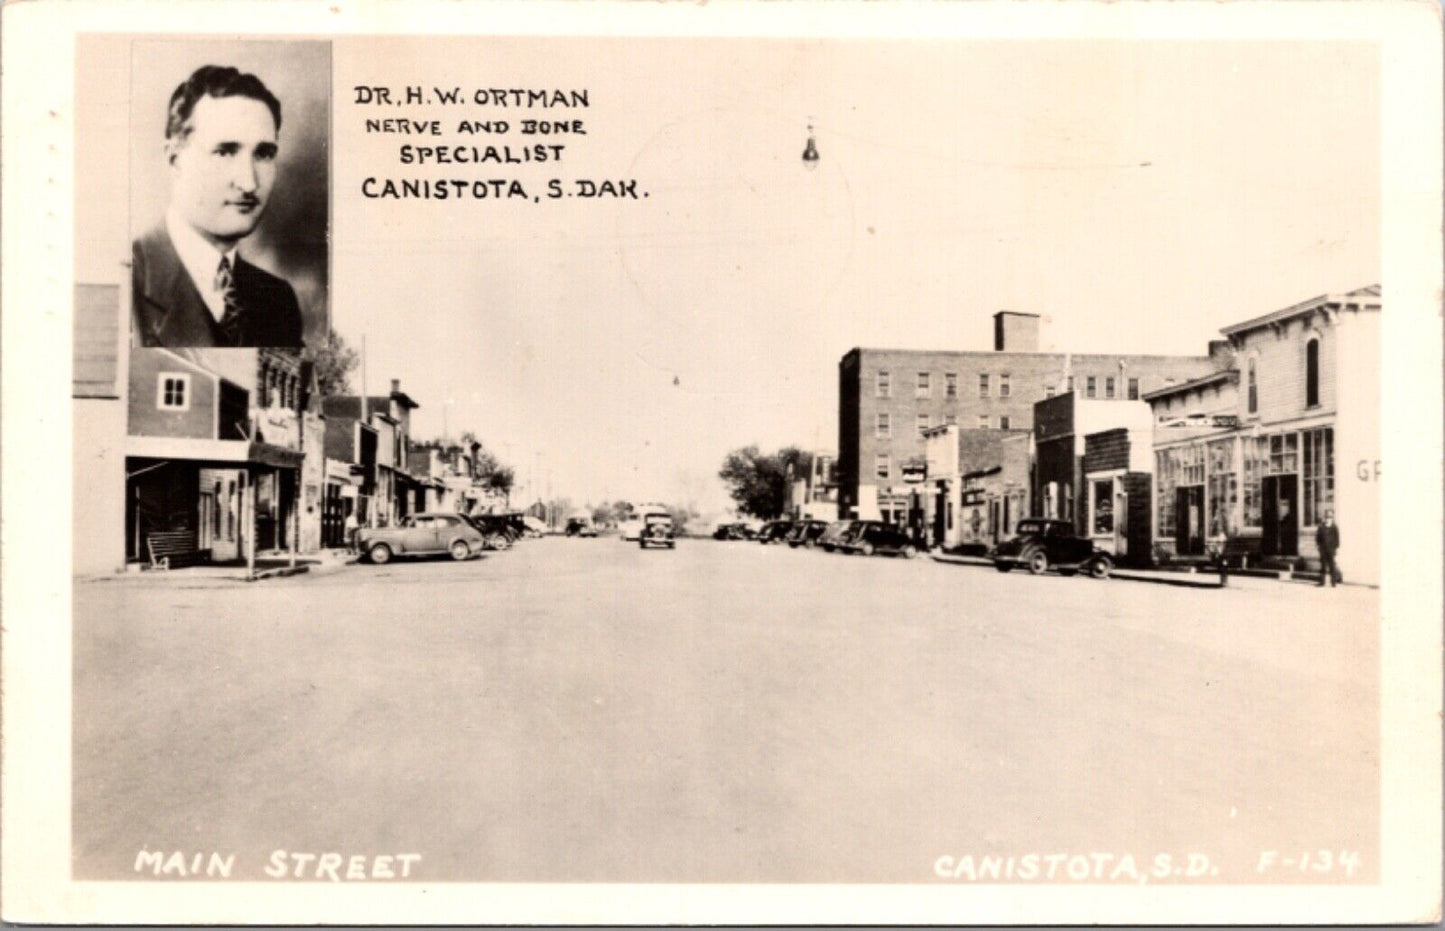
1138	195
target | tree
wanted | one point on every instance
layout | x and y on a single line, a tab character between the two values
334	361
758	482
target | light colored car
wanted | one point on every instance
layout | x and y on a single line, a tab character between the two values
421	535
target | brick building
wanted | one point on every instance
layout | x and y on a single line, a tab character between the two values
1063	426
888	398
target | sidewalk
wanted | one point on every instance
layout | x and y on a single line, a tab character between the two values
1176	577
268	566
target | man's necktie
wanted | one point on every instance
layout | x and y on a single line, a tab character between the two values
230	324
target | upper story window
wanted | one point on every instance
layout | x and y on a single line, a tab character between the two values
1003	386
1091	387
950	420
983	421
983	385
1070	386
950	384
1048	391
885	386
1252	384
173	391
924	387
880	465
1109	387
882	428
923	423
1312	372
1133	389
1003	422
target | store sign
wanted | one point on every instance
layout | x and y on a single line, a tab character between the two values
914	472
1198	421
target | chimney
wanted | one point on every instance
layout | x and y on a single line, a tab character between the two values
1221	353
1015	332
396	386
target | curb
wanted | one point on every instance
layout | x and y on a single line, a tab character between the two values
1124	574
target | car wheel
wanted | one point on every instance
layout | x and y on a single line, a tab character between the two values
1038	562
910	551
1101	567
380	554
460	550
1004	566
866	549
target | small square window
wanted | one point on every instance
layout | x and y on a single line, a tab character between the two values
881	466
173	391
1048	391
983	421
950	420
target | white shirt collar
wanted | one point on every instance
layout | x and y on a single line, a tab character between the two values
201	260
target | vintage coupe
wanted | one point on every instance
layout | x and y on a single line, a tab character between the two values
422	535
657	530
1043	544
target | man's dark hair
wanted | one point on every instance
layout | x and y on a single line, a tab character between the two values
215	81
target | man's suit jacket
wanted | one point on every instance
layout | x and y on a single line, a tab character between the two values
169	310
1327	539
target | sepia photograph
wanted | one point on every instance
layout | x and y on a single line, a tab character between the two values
229	212
811	471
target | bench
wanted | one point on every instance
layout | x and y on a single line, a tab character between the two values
171	549
1240	552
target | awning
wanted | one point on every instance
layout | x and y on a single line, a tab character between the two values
198	450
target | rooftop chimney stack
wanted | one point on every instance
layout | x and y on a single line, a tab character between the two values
396	386
1015	332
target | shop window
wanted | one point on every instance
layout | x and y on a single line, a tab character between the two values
882	428
983	386
1133	389
1109	388
1252	384
1284	454
924	388
1319	474
1166	479
1103	506
1312	372
174	391
884	387
1004	390
880	467
1223	491
1091	387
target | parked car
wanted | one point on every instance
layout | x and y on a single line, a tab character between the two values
806	533
872	537
733	532
422	535
494	528
774	531
1043	544
834	534
657	530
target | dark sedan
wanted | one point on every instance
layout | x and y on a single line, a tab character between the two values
806	533
876	538
774	531
1043	544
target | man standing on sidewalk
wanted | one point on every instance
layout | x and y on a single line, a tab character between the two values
352	526
1327	538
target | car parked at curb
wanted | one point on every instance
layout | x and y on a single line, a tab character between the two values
495	530
774	531
873	537
806	533
422	535
836	532
1040	545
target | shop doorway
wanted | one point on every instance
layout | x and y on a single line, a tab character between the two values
1280	518
1189	520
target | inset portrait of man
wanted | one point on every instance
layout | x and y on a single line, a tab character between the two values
191	287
